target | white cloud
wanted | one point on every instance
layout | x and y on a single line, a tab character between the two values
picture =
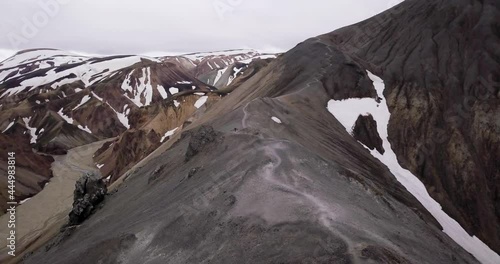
172	27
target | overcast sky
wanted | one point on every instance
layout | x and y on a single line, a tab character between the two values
167	26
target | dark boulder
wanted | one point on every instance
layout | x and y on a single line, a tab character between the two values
199	139
365	131
90	190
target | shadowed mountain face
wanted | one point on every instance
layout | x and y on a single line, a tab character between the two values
441	65
305	160
35	167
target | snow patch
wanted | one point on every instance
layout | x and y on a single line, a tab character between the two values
200	102
143	88
86	129
8	127
162	91
65	117
25	200
96	96
84	100
32	130
236	71
277	120
122	117
168	134
173	90
126	85
219	75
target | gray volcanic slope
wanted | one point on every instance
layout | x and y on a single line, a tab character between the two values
256	197
239	187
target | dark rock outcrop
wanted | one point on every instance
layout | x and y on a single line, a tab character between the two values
90	190
365	131
199	139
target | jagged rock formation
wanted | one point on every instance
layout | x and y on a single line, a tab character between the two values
90	191
365	131
199	140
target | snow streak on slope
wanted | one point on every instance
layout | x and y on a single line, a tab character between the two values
65	117
162	91
219	74
32	130
8	127
200	102
96	96
236	71
86	129
142	90
122	117
168	134
85	99
262	57
276	120
347	112
173	90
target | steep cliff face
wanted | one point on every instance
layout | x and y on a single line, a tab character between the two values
440	62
